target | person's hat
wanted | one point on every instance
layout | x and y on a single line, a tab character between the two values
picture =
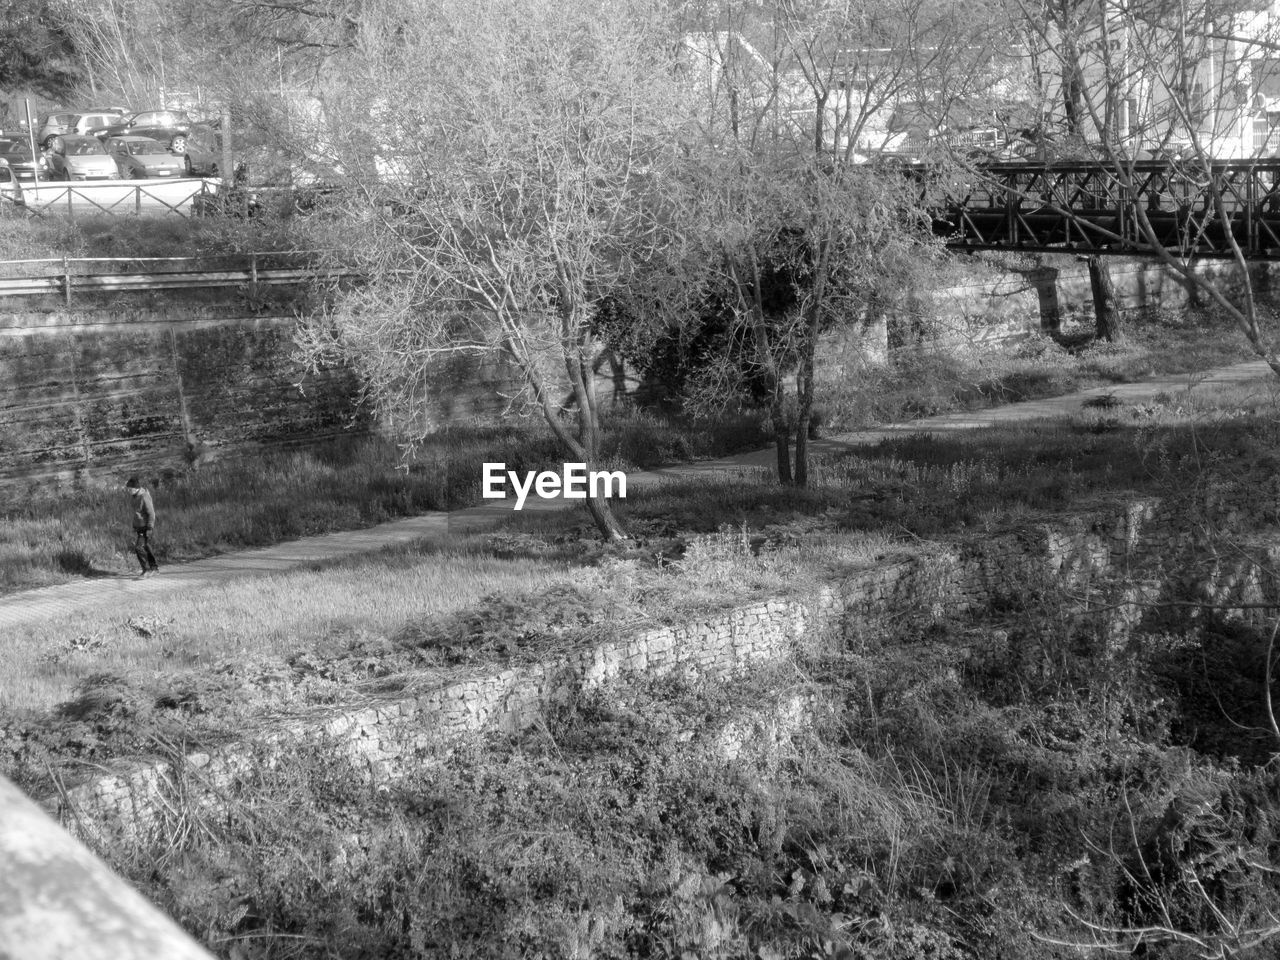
132	482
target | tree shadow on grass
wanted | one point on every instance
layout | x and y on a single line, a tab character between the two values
76	562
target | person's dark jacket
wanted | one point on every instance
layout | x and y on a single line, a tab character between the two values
144	511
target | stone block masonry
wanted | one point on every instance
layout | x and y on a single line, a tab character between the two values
90	397
383	735
85	401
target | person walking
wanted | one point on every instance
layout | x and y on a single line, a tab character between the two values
144	522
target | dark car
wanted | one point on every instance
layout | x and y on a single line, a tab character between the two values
170	127
16	153
204	150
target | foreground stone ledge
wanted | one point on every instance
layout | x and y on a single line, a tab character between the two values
59	901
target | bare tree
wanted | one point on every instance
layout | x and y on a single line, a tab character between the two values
1131	80
522	147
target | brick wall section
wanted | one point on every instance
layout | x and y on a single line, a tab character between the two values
1119	561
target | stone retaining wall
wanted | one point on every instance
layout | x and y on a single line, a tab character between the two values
91	397
988	312
94	397
1116	562
383	734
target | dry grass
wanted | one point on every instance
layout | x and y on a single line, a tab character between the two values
268	617
700	544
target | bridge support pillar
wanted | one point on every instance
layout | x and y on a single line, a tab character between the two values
1045	280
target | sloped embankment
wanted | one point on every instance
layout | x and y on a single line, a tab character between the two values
936	757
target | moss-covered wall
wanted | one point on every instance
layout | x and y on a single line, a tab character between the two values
90	396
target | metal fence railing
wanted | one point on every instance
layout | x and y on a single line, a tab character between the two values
181	196
66	275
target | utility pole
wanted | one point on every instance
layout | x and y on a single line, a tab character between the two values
31	139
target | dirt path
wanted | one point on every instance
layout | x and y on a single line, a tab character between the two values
36	605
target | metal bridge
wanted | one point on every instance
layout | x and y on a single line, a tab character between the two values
1092	208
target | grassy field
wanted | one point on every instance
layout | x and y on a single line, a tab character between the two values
978	782
698	544
253	621
338	485
356	483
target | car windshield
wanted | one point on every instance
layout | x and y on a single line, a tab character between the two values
15	148
145	148
85	148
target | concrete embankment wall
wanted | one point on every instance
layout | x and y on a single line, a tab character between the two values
89	395
92	397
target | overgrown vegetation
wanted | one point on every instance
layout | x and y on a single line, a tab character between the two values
996	782
30	236
927	381
970	783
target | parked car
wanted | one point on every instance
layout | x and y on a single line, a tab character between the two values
204	151
141	157
8	189
16	153
169	127
80	158
60	124
113	110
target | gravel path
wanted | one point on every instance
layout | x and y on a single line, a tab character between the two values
36	605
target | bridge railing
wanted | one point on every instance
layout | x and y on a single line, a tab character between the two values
58	900
1193	209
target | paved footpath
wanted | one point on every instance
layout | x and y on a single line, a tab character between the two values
33	606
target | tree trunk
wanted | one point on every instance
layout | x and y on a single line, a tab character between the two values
584	447
1046	284
605	521
1106	315
804	409
802	451
781	435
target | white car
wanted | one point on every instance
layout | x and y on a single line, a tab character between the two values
80	158
72	124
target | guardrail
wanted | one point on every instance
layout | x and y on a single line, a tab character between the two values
57	900
79	273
